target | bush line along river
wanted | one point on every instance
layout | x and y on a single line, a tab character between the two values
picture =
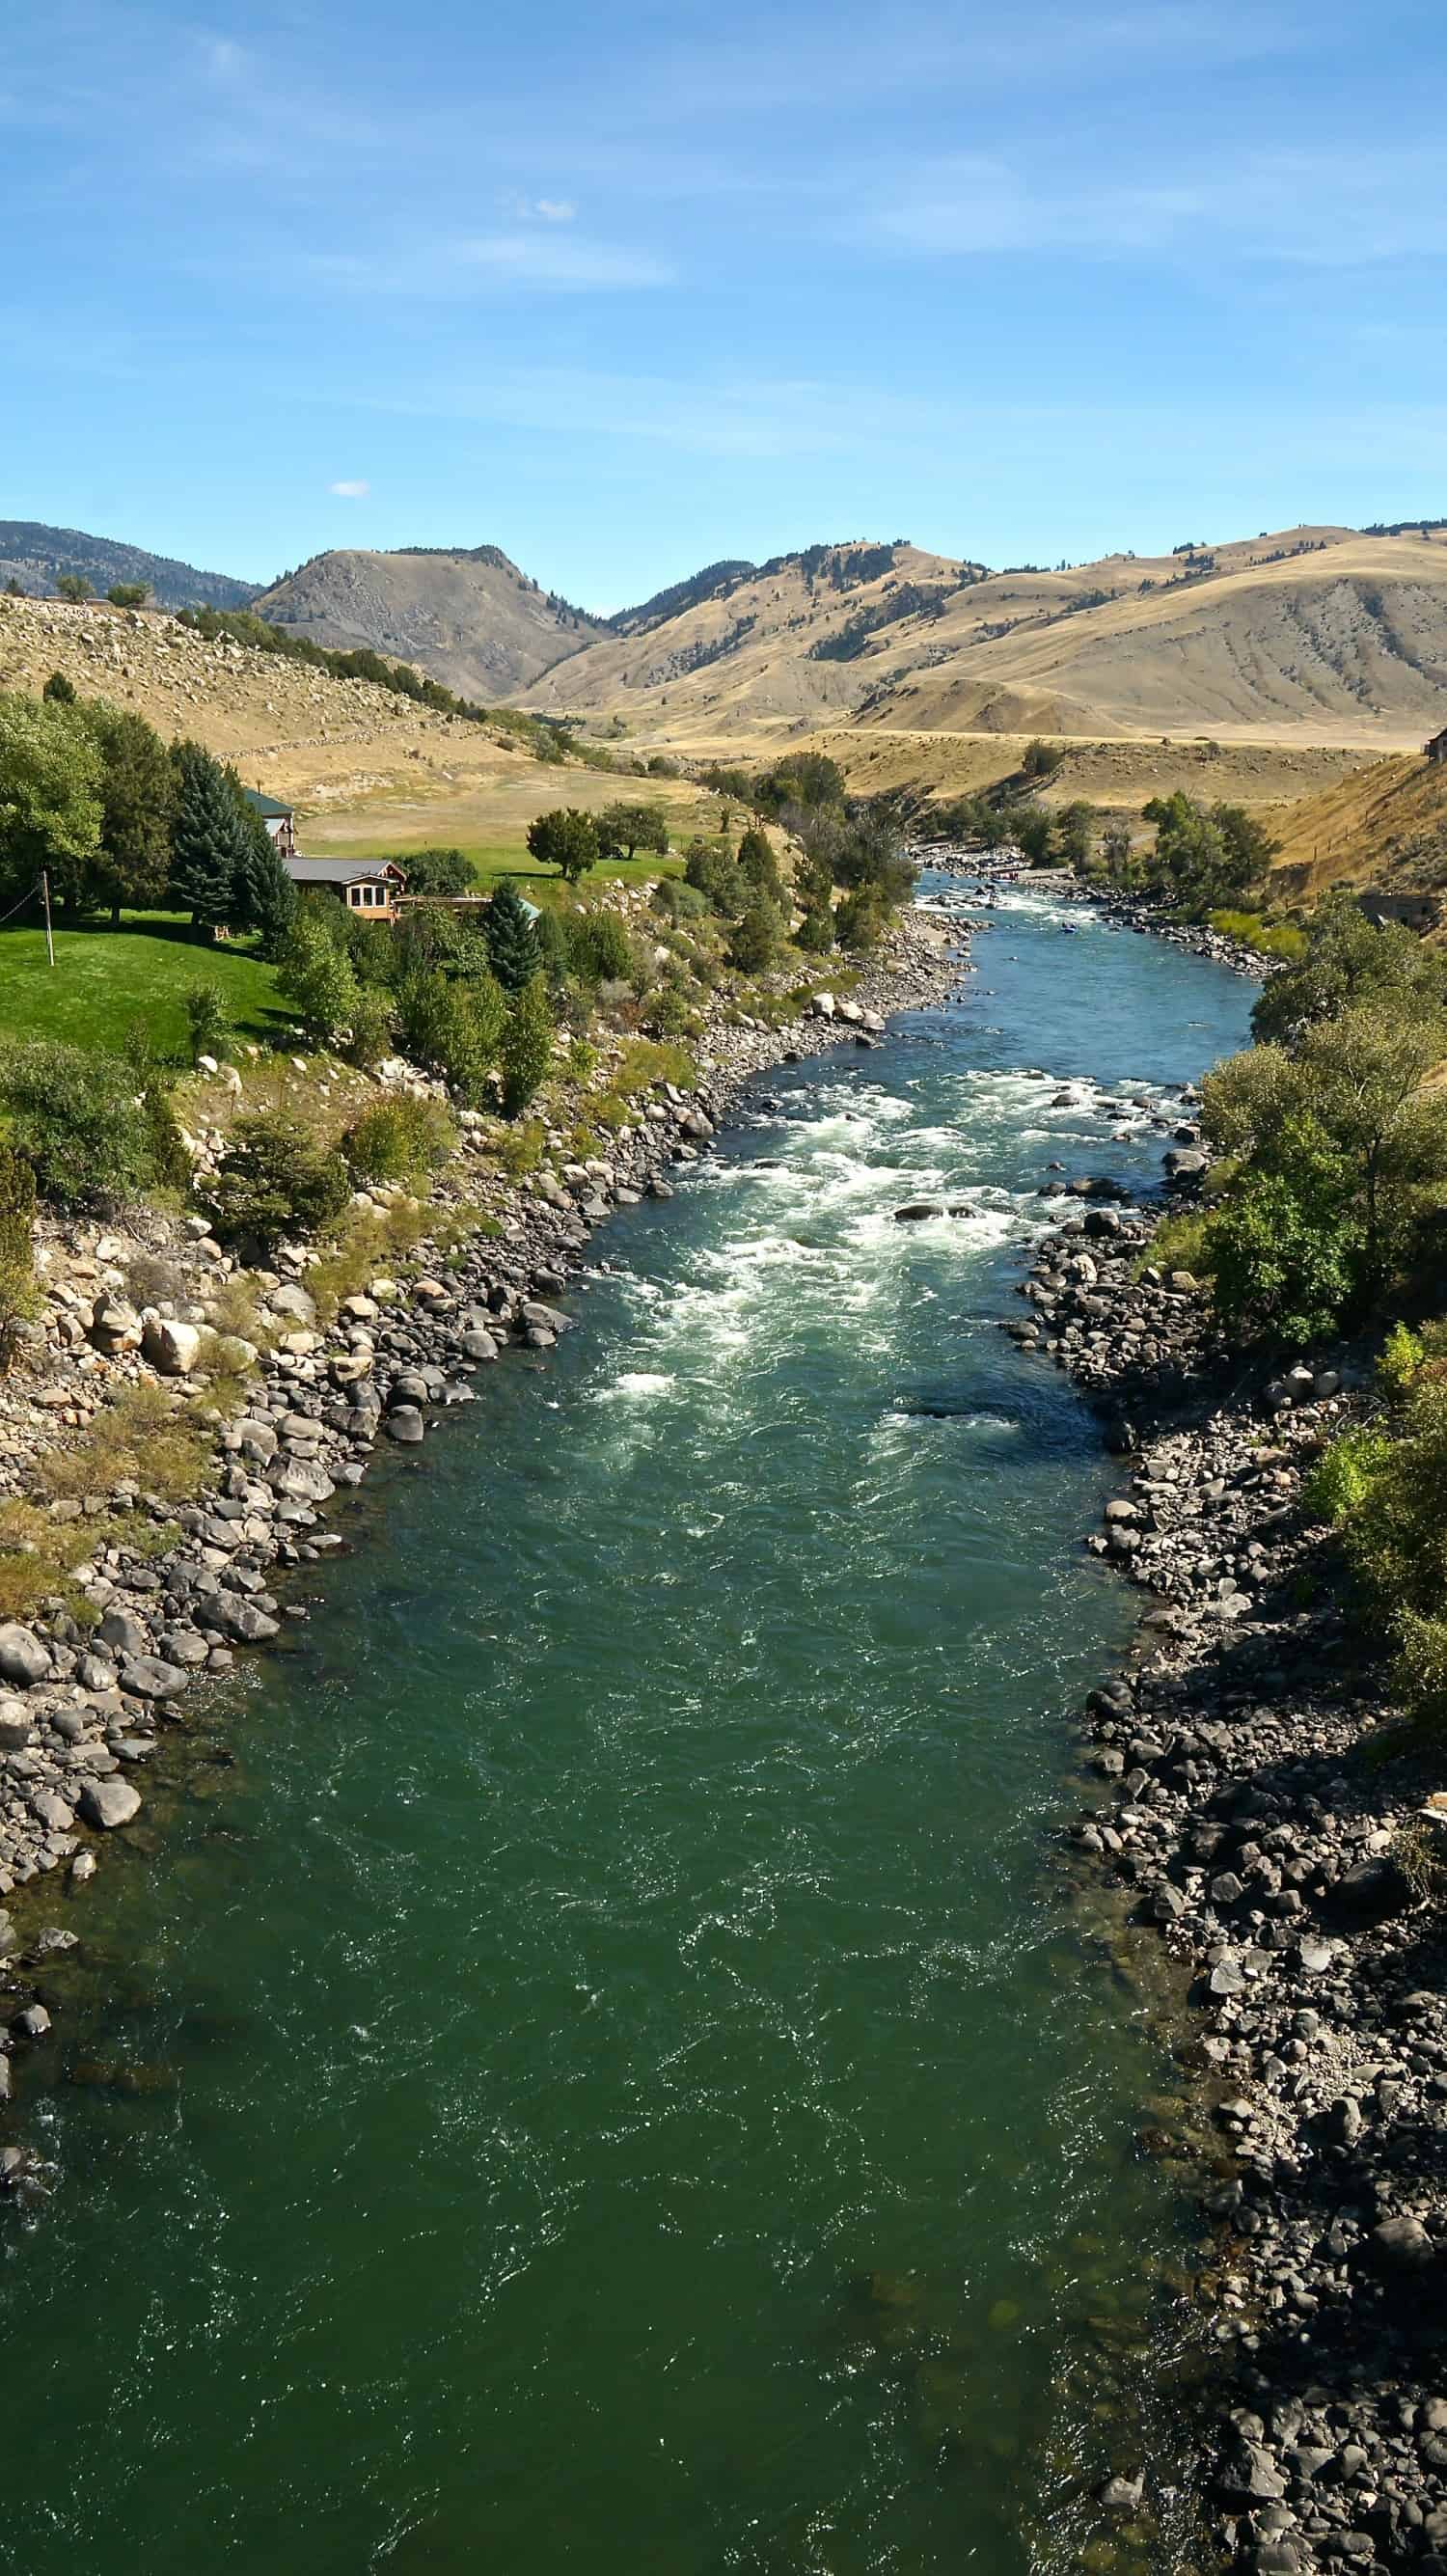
612	2083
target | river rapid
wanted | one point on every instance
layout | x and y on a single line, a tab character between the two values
613	2083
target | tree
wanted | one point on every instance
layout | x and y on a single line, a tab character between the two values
453	1028
1343	1163
138	792
808	779
716	876
129	594
1041	759
1348	960
1117	849
1075	832
512	940
754	940
527	1046
59	691
626	828
758	866
438	872
208	845
565	839
315	975
73	588
1032	829
50	802
266	896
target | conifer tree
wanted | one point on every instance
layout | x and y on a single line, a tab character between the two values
527	1046
513	947
207	847
266	899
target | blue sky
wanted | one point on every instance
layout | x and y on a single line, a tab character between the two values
626	289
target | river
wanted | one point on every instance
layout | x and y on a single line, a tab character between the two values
605	2080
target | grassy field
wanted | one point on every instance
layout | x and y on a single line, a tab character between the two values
104	979
491	860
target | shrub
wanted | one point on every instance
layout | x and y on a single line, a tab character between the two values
454	1029
816	930
372	1029
208	1025
527	1046
316	977
1339	1481
754	939
396	1140
679	900
275	1181
599	948
669	1013
77	1119
859	922
19	1297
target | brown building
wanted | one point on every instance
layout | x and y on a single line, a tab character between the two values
371	887
1436	749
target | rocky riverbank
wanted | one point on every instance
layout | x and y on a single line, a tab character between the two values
160	1606
1264	1827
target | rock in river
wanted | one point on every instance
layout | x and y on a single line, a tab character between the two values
108	1803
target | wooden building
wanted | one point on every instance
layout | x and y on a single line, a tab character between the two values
280	821
371	887
1436	749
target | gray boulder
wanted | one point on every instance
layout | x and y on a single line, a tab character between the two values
123	1634
108	1803
23	1659
147	1677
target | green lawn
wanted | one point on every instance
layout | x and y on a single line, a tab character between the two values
104	979
493	859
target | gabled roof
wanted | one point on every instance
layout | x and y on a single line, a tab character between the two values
342	871
265	804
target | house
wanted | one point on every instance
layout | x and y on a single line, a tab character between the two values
371	887
1411	911
1436	749
279	820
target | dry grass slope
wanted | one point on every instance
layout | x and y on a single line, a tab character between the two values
1314	635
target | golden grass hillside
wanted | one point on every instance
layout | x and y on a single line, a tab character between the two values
362	765
1119	777
1315	635
1384	825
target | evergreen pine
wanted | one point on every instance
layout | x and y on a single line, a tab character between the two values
208	849
527	1046
266	898
513	947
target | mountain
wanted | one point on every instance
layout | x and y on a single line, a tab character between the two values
1317	634
470	618
35	556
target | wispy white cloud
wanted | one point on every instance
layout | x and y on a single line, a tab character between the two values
1319	209
488	263
352	491
713	415
554	210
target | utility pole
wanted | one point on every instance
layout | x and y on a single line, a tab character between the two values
49	934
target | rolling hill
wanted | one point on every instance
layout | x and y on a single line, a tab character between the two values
1383	825
36	555
1313	635
471	619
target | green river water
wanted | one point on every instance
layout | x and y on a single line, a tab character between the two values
597	2072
